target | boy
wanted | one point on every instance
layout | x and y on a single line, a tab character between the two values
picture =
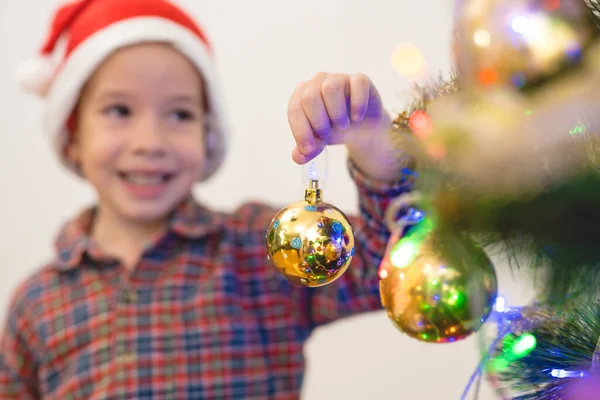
151	295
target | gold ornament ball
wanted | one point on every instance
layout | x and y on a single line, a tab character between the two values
310	243
521	44
437	286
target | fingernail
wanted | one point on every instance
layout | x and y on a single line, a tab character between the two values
308	148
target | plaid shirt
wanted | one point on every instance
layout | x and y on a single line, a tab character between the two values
202	316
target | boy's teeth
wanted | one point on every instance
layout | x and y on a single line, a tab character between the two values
144	179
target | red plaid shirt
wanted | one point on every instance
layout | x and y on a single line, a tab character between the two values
203	315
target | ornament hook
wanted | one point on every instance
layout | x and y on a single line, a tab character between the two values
412	217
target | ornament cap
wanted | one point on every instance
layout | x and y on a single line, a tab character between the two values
313	193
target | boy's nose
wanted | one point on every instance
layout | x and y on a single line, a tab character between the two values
149	139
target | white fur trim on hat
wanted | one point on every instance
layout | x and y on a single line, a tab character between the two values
78	68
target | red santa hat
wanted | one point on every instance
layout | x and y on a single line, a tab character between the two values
84	33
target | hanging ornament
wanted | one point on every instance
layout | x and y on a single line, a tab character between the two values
436	284
311	242
523	44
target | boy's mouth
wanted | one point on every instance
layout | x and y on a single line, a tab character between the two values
145	178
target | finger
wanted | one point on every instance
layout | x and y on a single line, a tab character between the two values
337	137
299	157
314	107
302	158
335	89
299	123
361	92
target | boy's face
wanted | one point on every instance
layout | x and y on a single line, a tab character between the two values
140	132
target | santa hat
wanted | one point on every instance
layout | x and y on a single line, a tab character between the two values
84	33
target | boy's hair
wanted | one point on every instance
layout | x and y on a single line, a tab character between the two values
83	34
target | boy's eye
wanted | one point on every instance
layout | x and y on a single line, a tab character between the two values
118	110
183	115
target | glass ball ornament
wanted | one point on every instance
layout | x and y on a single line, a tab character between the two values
522	44
311	242
437	286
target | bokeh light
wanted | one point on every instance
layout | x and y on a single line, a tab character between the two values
482	38
407	60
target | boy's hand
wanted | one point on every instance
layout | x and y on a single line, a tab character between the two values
343	109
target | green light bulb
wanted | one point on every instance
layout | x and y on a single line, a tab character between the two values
523	345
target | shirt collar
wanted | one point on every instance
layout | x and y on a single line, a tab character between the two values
189	220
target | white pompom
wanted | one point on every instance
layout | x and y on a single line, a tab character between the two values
35	75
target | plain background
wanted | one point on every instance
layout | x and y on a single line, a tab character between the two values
264	47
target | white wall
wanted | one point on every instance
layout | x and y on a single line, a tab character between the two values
264	48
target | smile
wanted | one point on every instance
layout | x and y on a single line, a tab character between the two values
146	178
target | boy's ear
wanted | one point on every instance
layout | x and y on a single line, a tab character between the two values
73	153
